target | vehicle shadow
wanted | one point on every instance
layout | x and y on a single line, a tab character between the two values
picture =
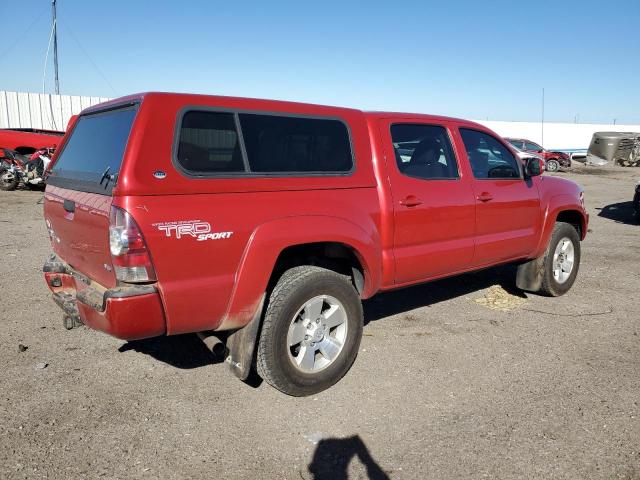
332	457
621	212
424	295
188	351
180	351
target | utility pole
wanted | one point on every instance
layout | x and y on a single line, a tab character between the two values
55	46
542	123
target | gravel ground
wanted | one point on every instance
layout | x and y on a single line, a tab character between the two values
461	378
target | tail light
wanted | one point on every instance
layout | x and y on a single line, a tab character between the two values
129	252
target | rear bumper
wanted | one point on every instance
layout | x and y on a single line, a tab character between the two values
129	313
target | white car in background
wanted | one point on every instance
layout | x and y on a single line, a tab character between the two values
524	155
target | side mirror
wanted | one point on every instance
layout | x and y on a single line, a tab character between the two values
533	167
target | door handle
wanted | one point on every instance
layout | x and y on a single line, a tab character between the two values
485	197
411	201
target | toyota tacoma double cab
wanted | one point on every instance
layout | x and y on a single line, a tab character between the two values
264	224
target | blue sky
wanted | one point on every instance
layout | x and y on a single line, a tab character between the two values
465	58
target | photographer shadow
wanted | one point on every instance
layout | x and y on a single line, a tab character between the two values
333	455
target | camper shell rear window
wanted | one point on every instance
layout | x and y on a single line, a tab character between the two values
90	159
213	143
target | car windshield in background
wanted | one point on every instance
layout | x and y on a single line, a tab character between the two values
90	160
534	147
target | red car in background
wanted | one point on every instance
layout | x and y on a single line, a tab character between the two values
553	160
27	140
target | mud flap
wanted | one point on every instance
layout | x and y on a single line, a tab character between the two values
530	275
241	345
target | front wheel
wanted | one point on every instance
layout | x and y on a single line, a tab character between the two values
561	261
8	180
311	331
552	165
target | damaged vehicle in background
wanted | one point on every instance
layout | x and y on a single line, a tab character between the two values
26	141
29	169
620	148
553	160
522	155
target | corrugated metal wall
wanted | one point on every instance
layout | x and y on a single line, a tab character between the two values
38	110
52	112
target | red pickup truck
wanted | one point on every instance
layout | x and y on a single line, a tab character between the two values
266	222
27	140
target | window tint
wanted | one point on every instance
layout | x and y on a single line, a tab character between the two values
423	151
532	146
488	157
91	158
209	143
279	144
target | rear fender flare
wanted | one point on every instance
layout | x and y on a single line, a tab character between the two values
269	239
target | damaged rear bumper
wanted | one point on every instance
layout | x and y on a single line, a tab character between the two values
127	312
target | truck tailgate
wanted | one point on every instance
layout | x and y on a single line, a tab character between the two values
78	224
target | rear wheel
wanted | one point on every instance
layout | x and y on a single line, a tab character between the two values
562	260
311	331
8	180
552	165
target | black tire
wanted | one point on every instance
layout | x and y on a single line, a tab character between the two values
550	286
552	165
294	289
39	187
8	185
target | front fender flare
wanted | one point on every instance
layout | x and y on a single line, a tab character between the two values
557	204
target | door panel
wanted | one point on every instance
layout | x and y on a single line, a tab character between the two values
508	222
434	215
508	212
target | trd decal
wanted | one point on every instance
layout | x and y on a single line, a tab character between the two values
193	228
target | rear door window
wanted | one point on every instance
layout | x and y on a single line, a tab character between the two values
423	151
91	158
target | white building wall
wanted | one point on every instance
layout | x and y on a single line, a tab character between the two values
557	136
52	112
42	111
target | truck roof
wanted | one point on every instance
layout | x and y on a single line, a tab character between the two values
277	105
418	116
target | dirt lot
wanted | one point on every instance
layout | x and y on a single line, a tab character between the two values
463	378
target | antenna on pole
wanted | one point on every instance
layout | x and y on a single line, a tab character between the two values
542	123
55	46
